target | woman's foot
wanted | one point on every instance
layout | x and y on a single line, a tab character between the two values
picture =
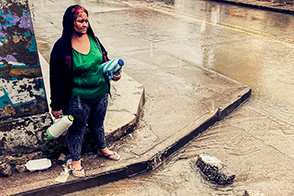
108	154
76	169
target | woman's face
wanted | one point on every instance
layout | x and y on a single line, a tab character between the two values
81	24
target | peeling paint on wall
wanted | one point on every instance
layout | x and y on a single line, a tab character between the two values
24	115
22	90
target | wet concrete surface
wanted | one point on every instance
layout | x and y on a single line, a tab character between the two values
177	110
261	162
277	6
255	140
178	101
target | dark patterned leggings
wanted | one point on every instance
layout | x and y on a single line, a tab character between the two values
84	113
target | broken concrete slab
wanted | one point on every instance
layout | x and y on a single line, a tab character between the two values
214	169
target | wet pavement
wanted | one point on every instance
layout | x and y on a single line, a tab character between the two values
177	109
277	6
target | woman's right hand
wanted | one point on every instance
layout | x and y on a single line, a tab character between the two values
57	114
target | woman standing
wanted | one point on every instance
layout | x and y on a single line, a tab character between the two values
78	86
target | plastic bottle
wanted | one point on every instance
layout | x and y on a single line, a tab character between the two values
112	67
59	126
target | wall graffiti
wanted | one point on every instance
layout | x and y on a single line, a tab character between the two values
22	91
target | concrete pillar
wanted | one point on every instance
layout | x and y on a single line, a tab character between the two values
24	113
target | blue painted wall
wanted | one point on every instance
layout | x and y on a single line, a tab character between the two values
22	91
24	115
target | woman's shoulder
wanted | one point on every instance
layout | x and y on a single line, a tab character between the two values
62	45
60	42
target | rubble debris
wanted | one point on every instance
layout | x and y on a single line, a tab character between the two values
214	169
22	159
5	169
21	168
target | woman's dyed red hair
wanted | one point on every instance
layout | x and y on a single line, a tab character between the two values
76	11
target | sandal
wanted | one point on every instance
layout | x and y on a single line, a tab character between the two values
111	156
78	170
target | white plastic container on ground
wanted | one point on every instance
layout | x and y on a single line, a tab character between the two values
38	164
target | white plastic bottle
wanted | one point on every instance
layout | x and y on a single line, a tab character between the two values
59	126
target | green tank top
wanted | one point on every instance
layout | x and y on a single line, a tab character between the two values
89	82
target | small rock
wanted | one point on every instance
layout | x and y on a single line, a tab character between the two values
5	170
2	159
20	168
214	169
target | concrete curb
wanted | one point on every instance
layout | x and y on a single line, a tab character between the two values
147	161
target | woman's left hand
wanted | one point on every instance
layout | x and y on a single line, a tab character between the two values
116	77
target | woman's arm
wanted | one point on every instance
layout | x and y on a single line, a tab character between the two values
57	78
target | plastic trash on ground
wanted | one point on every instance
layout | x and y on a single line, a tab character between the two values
38	164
